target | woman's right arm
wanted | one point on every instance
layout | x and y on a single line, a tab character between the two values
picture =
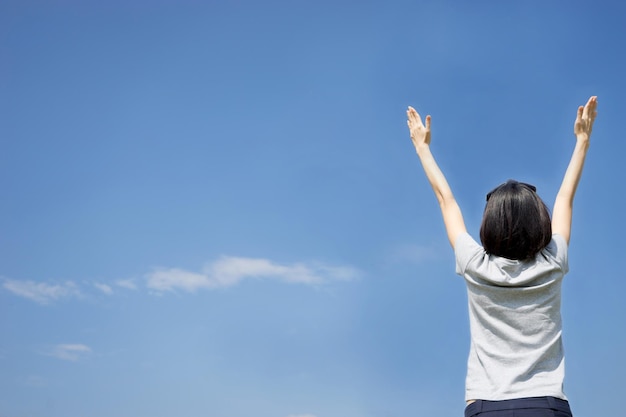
562	212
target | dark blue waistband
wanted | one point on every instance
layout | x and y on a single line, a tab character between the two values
551	403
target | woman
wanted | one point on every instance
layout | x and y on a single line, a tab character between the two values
515	365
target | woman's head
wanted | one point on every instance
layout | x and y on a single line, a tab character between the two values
516	223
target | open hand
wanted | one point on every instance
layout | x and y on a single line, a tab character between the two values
585	117
420	133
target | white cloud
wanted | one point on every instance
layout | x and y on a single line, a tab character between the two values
174	278
41	292
228	271
69	352
225	271
104	288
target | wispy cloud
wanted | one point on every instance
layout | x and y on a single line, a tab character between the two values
41	292
174	278
104	288
68	352
228	271
225	271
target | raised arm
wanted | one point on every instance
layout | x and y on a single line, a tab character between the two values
420	135
562	212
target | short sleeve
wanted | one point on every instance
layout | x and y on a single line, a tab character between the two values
557	249
465	249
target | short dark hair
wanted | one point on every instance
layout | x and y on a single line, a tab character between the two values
516	222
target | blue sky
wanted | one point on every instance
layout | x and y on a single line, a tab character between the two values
214	208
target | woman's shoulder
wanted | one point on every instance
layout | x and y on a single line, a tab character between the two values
556	251
466	249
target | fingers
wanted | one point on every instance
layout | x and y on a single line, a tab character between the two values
579	114
593	100
415	123
585	114
592	104
414	116
589	111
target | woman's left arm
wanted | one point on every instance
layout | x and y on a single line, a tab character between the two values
452	216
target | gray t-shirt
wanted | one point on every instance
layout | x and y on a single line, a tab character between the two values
515	321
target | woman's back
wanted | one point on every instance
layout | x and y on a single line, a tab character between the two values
515	321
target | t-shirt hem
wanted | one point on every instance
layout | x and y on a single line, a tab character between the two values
513	396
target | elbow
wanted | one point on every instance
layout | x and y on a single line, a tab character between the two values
446	200
564	199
